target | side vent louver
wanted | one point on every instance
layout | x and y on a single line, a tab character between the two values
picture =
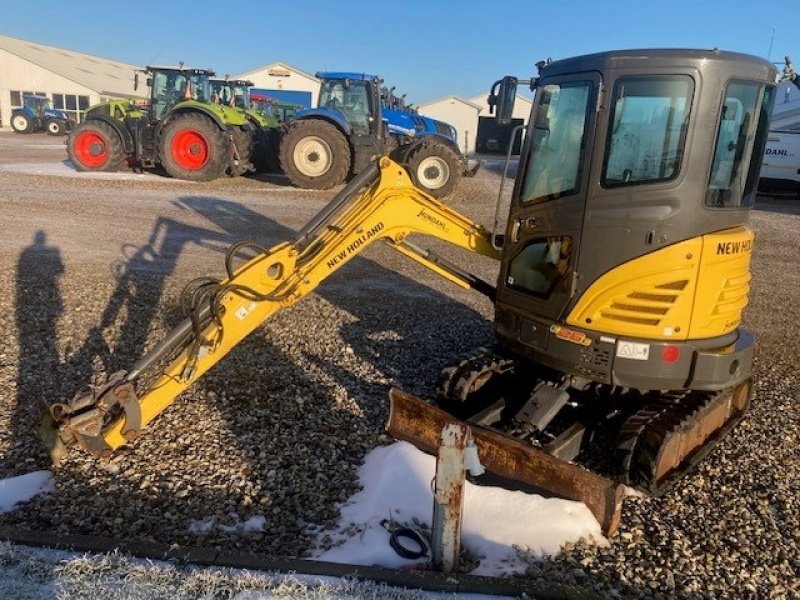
646	307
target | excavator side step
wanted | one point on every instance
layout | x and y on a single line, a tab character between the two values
413	420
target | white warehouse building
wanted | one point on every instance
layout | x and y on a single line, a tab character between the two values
460	113
72	80
285	83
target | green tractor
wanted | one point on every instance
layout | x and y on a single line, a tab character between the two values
235	93
180	129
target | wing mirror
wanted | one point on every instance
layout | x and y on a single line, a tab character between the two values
502	97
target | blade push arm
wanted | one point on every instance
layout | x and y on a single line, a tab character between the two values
380	204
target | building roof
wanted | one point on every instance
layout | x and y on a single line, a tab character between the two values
452	97
105	76
480	99
276	65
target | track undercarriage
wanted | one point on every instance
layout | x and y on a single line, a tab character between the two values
645	440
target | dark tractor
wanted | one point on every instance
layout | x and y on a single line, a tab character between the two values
36	114
282	112
180	129
355	120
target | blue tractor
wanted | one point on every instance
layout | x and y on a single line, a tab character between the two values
36	114
357	119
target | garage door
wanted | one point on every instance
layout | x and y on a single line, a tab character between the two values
493	138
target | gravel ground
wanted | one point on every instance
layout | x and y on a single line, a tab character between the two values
279	428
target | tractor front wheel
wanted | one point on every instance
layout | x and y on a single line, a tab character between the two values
55	127
21	123
95	146
192	147
315	154
434	168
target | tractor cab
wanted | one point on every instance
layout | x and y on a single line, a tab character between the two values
353	96
282	112
231	92
171	85
36	104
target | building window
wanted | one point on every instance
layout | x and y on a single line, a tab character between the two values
16	99
72	104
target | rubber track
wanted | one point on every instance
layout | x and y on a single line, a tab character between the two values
456	381
644	434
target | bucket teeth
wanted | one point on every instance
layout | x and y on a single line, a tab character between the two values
48	431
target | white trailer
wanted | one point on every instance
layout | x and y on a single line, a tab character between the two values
780	170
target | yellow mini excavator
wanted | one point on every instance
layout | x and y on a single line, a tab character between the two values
624	270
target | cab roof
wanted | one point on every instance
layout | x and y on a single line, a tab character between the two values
181	69
345	75
241	82
650	58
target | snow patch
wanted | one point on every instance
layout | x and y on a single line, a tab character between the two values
499	525
14	490
251	525
65	169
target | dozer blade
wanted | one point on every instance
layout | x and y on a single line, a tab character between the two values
415	421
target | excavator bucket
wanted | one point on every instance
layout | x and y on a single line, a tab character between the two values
413	420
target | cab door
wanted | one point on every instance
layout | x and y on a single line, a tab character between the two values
547	212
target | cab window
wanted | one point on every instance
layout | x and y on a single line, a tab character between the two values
541	265
647	129
741	138
558	139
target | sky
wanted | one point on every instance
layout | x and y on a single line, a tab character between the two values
426	48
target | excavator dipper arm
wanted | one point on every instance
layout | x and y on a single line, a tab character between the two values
380	204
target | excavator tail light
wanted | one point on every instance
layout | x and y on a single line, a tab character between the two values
670	354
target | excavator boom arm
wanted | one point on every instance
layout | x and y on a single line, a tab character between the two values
380	204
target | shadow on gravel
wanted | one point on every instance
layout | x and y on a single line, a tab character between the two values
277	432
38	307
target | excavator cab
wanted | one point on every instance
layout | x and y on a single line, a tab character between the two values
628	218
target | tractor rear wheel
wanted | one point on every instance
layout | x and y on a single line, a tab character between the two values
192	147
315	154
95	146
266	156
244	141
434	168
21	123
55	127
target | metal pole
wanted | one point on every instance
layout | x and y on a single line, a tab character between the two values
448	498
